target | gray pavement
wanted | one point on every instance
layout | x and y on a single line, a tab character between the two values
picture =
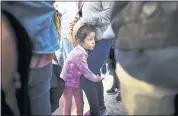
113	107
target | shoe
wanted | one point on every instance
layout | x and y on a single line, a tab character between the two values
111	91
118	98
87	113
104	112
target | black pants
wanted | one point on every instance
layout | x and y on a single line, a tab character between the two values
57	87
94	93
116	83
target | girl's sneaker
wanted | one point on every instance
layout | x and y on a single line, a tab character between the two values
87	113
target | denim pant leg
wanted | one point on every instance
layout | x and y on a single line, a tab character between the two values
116	83
39	90
91	91
101	96
67	47
95	61
94	91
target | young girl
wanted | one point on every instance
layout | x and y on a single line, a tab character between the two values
74	66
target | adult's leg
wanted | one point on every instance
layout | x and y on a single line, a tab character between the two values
95	62
57	70
39	90
94	91
101	94
78	95
91	92
67	47
116	83
56	87
67	95
141	98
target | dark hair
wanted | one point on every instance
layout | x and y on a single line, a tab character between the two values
84	31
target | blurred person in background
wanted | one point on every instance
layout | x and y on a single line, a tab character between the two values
146	53
38	21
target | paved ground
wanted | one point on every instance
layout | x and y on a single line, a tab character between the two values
113	107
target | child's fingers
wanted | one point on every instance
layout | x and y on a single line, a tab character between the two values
102	78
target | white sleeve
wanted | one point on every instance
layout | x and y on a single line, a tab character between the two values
60	7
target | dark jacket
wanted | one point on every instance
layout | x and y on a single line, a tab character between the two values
140	25
24	53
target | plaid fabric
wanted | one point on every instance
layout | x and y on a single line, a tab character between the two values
41	60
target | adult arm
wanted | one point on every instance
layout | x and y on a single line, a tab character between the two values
101	18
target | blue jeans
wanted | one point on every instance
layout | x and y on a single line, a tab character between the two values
39	90
66	47
94	91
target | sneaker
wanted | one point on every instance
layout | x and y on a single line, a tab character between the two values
118	98
111	91
87	113
104	112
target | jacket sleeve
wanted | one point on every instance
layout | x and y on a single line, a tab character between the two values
83	66
116	17
101	18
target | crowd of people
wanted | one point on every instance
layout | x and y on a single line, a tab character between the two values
59	49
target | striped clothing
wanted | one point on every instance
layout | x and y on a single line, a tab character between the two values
41	60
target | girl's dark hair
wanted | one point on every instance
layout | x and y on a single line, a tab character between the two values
84	31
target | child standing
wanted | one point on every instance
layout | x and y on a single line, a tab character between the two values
75	65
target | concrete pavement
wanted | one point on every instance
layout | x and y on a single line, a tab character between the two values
113	107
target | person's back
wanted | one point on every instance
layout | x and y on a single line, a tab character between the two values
43	41
38	20
16	56
147	54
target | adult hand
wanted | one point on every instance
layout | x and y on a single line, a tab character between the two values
76	27
71	26
71	39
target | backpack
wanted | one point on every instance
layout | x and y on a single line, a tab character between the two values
145	24
24	53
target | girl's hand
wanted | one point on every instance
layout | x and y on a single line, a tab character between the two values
100	78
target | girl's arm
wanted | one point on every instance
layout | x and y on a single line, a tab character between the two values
83	66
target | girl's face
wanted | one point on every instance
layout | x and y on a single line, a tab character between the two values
89	41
